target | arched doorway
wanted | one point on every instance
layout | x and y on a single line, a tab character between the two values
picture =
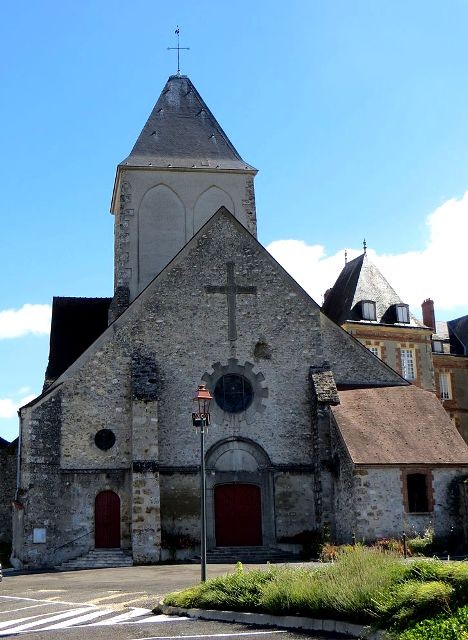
239	499
238	515
107	520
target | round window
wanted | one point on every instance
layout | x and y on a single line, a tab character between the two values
233	393
104	439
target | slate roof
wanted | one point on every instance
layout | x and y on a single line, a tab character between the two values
3	443
182	132
458	334
76	323
398	425
361	280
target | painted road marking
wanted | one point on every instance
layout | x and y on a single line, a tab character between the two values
134	613
3	625
31	606
29	625
113	596
162	618
77	621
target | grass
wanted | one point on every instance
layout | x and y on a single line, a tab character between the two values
364	585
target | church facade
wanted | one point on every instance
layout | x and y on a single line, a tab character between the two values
308	430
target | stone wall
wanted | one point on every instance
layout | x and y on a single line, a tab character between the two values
8	470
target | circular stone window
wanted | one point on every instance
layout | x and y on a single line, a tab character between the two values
104	439
233	393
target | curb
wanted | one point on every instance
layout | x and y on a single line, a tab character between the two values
288	622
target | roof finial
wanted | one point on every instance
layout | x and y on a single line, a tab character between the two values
178	48
364	246
346	257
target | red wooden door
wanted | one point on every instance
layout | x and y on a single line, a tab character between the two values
107	520
238	515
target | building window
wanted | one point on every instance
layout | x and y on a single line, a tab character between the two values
402	313
368	310
445	386
417	492
375	351
407	364
233	393
437	346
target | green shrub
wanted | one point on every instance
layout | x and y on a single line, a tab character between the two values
452	627
412	600
422	545
346	589
453	573
239	591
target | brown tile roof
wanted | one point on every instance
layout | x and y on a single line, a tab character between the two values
398	425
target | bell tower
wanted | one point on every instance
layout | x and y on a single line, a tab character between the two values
182	169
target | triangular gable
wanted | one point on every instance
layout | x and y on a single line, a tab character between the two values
352	361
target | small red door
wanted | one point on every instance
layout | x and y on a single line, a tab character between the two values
107	520
238	515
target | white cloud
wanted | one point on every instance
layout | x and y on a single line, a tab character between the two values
9	407
30	318
438	271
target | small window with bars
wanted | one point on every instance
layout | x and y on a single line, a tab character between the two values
444	386
375	351
408	369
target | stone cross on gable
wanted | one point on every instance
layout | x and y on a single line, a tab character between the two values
231	289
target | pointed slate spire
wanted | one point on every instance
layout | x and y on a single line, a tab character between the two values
182	132
361	280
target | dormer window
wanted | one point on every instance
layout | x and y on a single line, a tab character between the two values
437	346
402	313
368	310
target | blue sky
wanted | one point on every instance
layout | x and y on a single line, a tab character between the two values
355	114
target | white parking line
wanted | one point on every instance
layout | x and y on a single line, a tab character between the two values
76	604
31	606
134	613
162	618
77	621
3	625
29	625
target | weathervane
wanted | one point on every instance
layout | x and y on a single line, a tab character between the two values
178	48
364	245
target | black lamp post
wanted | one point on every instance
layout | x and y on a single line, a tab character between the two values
201	420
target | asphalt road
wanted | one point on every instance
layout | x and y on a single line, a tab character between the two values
113	604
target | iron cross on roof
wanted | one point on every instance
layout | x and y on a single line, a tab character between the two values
178	48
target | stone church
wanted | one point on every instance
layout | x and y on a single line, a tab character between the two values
308	428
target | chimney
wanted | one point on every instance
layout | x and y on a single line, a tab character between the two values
428	314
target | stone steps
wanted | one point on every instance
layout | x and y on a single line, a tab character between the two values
249	555
98	559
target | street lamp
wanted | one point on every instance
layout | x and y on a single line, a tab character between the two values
201	420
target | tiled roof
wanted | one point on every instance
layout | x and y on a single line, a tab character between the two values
361	280
398	425
76	323
182	132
